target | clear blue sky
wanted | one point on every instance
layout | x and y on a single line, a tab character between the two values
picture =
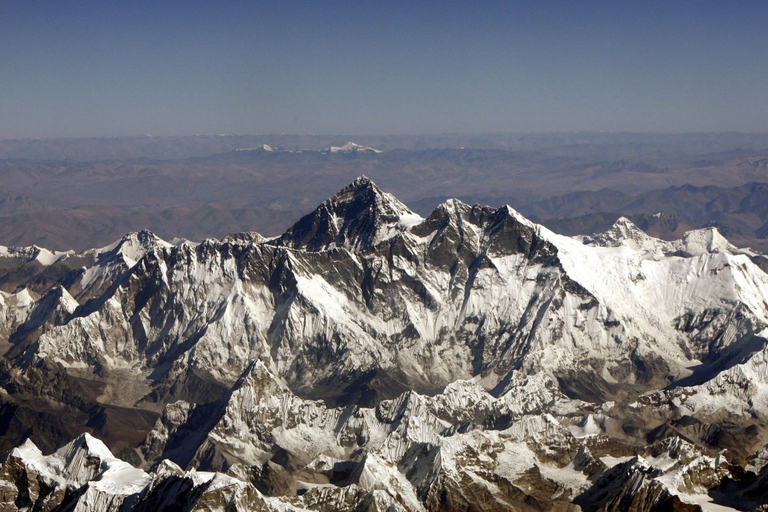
114	68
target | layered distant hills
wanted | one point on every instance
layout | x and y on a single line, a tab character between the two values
80	193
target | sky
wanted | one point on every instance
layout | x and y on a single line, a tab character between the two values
127	68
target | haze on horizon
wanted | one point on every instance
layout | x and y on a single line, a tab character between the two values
82	69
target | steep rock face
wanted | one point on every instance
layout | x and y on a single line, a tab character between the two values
356	218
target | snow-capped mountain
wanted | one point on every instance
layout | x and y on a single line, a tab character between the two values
264	148
351	147
371	357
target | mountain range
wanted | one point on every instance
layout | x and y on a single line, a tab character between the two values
371	358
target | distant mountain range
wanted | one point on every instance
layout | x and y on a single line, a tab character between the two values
594	145
573	183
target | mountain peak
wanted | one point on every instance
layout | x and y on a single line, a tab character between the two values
357	217
706	240
85	442
27	451
351	147
624	232
133	246
624	228
264	148
360	183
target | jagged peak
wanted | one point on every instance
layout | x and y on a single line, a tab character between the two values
452	211
453	203
39	254
519	217
625	229
622	231
675	447
27	451
501	230
84	460
244	238
65	300
365	191
132	246
625	233
456	208
357	217
705	240
361	183
453	206
86	443
405	405
144	237
259	369
167	468
54	306
624	223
